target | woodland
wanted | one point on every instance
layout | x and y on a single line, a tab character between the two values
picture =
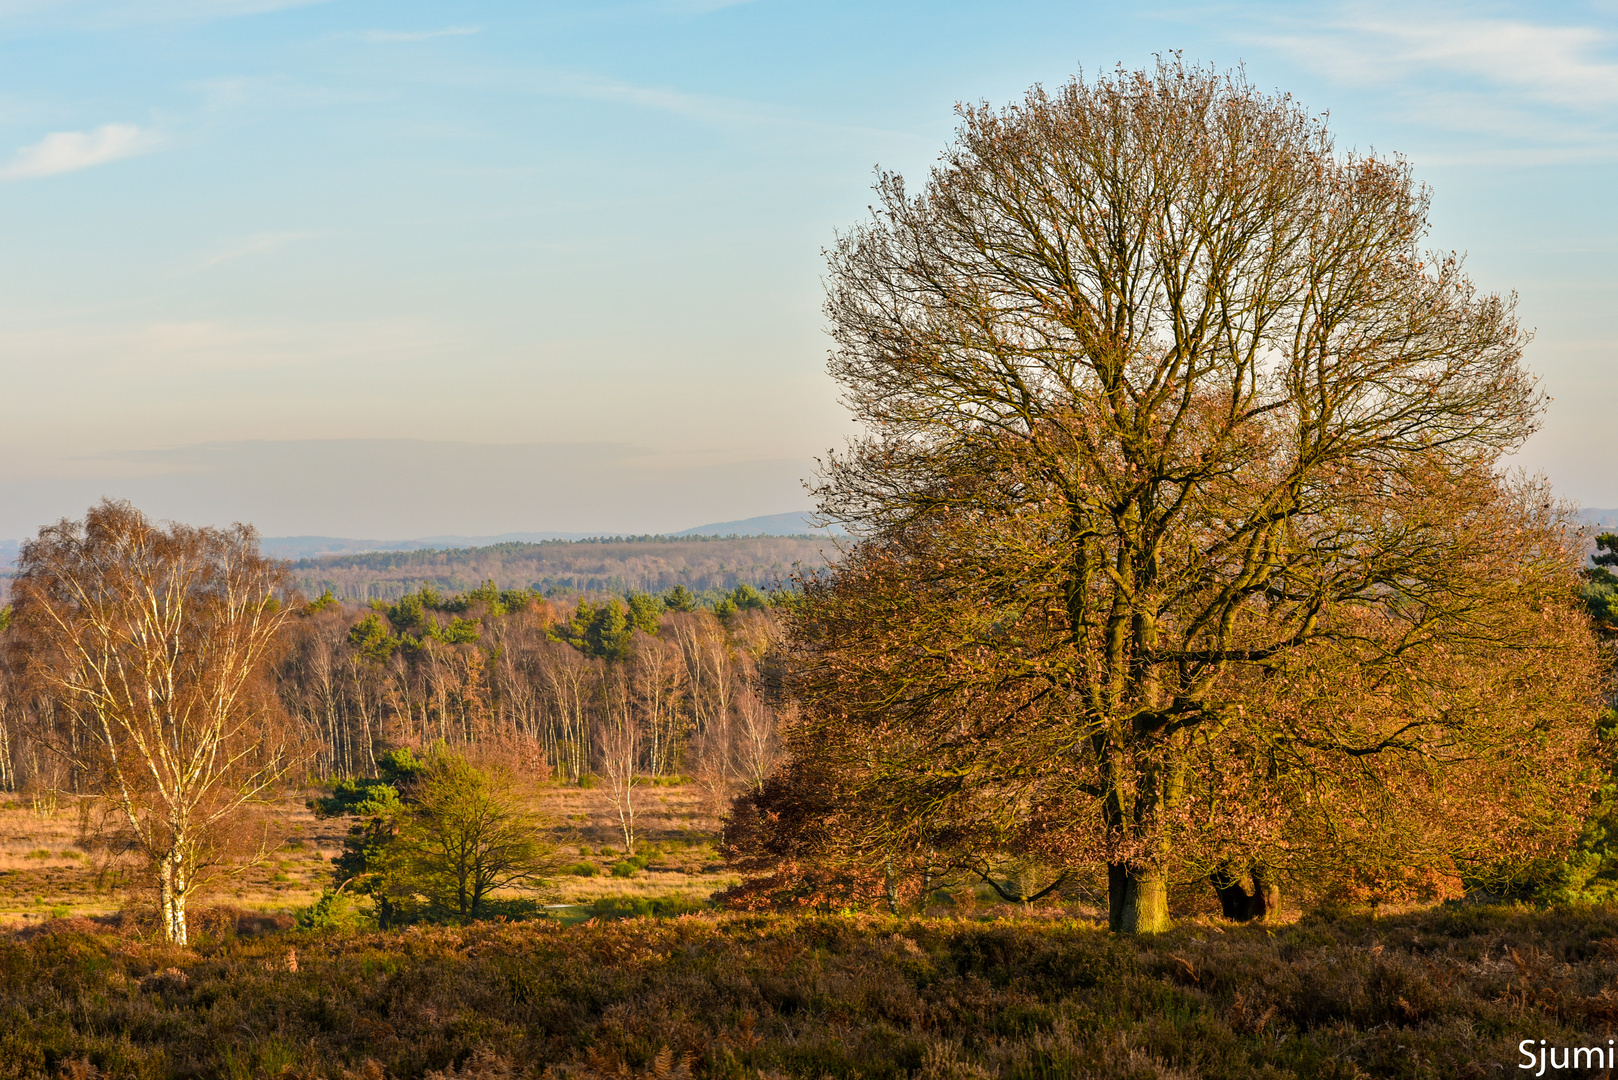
623	694
618	565
1196	692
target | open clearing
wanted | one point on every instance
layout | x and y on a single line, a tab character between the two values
49	869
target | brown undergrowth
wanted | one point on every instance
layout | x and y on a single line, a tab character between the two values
1441	994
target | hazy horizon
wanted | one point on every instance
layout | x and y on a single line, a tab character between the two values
363	269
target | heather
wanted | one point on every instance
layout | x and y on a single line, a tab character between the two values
1447	992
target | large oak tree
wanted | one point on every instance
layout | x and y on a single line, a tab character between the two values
1181	534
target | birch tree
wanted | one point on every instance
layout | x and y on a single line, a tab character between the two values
154	640
618	750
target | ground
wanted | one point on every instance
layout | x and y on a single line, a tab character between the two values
973	990
49	869
1446	993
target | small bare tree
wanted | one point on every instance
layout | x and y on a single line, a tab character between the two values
617	739
154	641
570	681
755	743
756	748
657	677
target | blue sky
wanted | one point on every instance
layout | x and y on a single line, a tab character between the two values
396	269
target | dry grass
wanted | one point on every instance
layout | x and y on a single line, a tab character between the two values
83	879
49	870
65	880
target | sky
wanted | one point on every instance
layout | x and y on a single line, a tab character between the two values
401	269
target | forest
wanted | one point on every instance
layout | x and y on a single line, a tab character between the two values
502	673
618	565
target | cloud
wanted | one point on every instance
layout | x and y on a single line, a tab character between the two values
1555	63
1517	91
719	111
72	359
68	151
258	244
1561	65
389	37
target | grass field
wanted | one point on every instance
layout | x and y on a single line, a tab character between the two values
48	869
1441	994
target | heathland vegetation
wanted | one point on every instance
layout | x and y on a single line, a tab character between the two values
1449	994
1194	688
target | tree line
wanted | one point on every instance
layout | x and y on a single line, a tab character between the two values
618	565
644	684
503	672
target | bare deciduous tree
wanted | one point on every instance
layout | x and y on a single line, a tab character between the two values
571	681
154	641
657	681
618	751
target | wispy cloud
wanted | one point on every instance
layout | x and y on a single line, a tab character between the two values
717	110
1540	92
390	37
258	244
156	10
232	92
69	151
1562	65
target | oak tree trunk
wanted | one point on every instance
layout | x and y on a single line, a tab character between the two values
1246	894
1145	903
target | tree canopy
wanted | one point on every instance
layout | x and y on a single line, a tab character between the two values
1181	535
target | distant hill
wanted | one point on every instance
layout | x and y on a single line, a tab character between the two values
614	564
721	555
310	547
799	524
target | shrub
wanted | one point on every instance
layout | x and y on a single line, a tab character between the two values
437	835
661	907
466	832
333	911
628	867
